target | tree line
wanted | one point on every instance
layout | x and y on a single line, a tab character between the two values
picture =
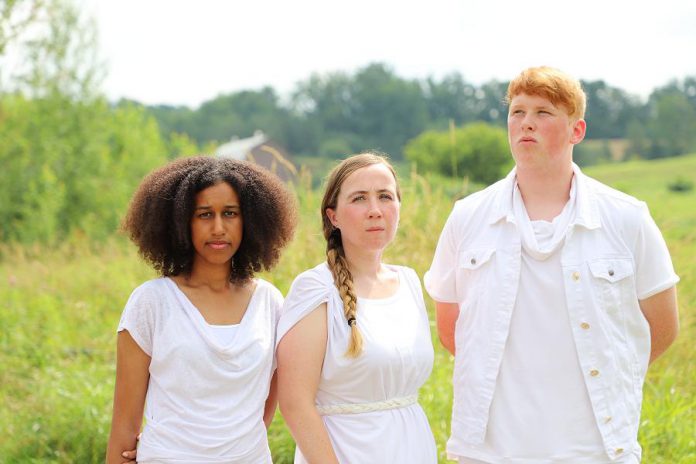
332	114
71	159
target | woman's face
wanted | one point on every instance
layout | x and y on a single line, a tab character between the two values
216	225
367	209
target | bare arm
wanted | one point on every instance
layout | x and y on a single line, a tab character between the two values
300	357
447	314
132	376
660	310
271	401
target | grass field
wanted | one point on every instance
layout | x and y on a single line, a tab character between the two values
60	307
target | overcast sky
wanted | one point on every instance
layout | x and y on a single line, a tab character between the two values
186	52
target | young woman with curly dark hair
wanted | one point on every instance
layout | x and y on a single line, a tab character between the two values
195	346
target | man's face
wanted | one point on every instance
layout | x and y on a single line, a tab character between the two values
540	134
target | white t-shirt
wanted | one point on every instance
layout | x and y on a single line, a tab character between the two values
224	333
541	412
612	257
396	361
205	400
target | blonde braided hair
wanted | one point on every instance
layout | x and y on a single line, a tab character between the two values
335	255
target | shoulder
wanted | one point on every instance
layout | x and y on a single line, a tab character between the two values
269	291
617	206
316	277
150	292
409	277
409	273
146	306
611	195
478	205
481	197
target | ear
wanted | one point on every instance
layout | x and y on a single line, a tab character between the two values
331	214
579	127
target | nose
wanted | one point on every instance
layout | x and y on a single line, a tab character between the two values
374	210
218	225
528	122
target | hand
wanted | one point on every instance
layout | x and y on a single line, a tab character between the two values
132	454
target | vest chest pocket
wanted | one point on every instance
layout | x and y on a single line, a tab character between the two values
473	267
613	282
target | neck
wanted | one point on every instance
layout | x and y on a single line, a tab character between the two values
216	277
545	192
363	263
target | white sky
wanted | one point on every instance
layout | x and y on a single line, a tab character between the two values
186	52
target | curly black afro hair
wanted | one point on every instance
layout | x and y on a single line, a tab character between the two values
159	215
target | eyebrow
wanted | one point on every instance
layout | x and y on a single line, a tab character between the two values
363	192
535	107
210	207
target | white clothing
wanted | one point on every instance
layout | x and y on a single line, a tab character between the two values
544	415
396	361
612	255
205	400
224	334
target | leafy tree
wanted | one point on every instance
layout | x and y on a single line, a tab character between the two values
58	49
478	150
610	110
70	161
451	99
372	109
388	110
673	125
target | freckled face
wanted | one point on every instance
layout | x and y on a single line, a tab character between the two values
216	225
541	133
367	210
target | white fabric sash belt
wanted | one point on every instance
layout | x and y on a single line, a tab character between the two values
357	408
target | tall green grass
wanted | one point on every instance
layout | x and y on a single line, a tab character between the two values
60	308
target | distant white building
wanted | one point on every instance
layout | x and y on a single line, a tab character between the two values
260	149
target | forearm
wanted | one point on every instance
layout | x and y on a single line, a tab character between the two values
660	341
447	314
271	402
447	340
132	379
660	311
123	437
310	434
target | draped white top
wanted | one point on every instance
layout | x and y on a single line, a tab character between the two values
396	361
205	400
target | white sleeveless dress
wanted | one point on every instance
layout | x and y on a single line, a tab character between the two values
368	404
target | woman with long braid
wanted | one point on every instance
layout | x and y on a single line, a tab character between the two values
354	339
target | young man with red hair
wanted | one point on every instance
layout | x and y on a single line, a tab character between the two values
553	292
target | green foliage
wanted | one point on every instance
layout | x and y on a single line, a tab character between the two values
70	165
372	109
609	110
674	127
478	150
591	152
